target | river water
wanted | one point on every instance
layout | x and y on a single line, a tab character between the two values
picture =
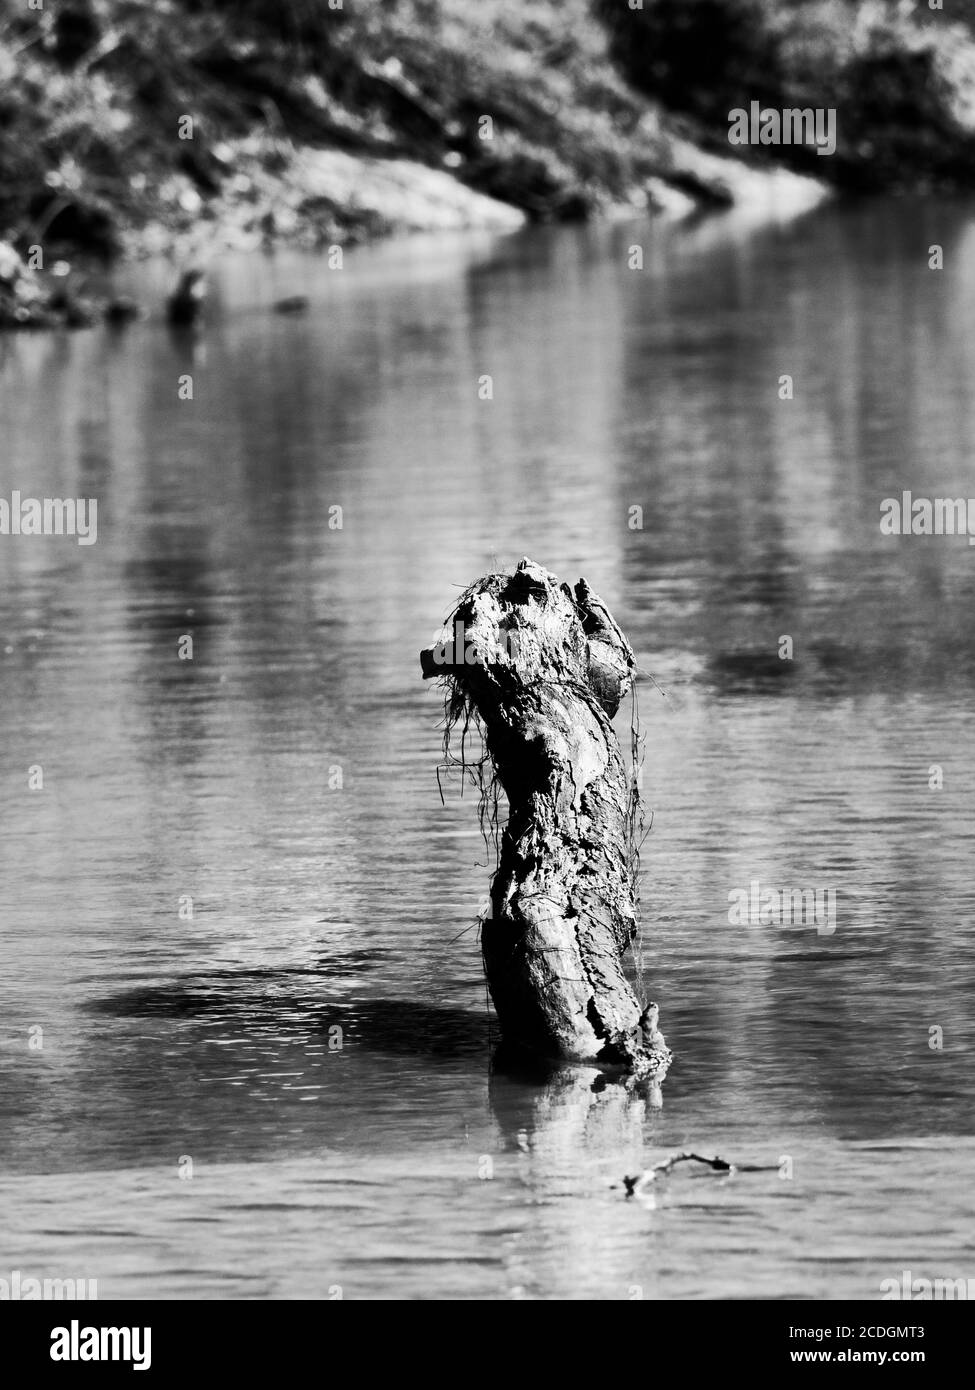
177	1117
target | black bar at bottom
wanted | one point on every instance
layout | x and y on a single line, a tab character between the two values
65	1340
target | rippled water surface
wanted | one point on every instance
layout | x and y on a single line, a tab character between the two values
284	779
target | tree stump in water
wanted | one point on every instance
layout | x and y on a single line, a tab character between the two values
545	669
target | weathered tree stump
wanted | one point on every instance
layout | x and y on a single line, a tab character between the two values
545	669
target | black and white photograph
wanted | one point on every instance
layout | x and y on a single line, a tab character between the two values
487	665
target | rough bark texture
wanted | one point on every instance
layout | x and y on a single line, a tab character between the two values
546	668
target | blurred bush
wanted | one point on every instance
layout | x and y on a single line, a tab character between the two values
900	76
92	91
579	91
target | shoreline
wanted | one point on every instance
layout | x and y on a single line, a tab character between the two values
328	200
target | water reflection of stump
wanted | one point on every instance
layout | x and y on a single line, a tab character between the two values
570	1112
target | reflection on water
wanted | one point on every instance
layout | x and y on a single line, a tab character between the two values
283	779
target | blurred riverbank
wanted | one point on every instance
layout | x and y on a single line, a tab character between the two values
193	127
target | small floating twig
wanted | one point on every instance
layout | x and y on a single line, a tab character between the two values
635	1185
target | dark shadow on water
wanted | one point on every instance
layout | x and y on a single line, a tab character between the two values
750	673
236	1065
262	1003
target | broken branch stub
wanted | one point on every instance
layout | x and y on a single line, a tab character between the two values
545	669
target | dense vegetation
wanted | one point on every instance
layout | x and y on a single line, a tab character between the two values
900	76
583	94
92	92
